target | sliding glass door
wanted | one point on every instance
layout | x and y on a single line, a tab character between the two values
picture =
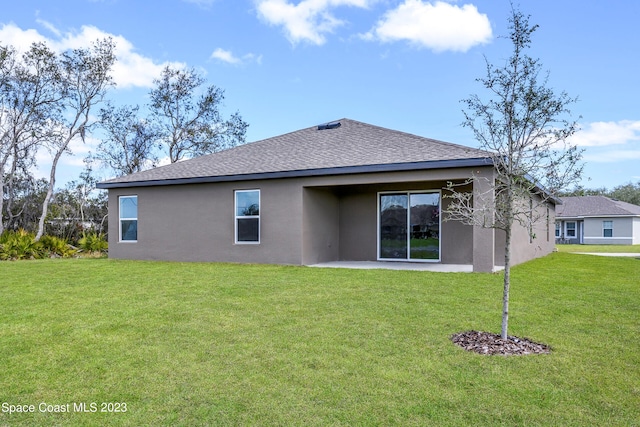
393	241
409	226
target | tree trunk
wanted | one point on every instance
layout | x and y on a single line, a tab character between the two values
507	283
2	184
52	183
1	201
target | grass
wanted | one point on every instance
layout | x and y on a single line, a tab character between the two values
222	344
635	249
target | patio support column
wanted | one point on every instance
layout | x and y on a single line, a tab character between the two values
483	237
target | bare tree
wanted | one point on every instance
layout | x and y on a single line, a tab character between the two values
130	141
190	124
524	127
84	80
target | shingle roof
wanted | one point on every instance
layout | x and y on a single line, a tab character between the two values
585	206
351	145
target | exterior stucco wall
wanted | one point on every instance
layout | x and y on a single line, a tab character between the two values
196	223
623	228
457	241
358	225
484	239
524	247
626	231
302	221
320	232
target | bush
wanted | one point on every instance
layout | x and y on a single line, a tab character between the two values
57	246
15	245
93	243
20	245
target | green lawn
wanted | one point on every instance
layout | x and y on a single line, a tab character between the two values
220	344
599	248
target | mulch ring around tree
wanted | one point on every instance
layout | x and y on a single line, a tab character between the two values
488	343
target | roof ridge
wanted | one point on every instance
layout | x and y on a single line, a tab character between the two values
596	205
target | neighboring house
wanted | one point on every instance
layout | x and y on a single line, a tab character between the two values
597	220
343	191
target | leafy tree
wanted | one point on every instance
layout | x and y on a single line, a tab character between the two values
83	82
629	193
23	206
523	126
28	97
190	124
579	190
77	208
130	141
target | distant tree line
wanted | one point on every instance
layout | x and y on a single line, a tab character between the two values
629	193
49	99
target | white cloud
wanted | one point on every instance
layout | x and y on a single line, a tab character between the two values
608	142
309	20
599	134
205	4
228	57
612	156
10	34
130	70
49	26
438	26
225	56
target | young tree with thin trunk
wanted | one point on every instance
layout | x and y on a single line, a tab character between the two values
524	126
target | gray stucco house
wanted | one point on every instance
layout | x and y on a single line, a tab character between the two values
597	220
342	191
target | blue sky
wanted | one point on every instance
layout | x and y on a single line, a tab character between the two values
402	64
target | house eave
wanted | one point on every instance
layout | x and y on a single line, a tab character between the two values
579	217
345	170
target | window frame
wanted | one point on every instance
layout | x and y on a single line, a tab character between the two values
237	217
408	193
558	231
575	230
121	218
605	228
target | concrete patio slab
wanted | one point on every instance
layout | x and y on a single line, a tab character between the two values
622	254
416	266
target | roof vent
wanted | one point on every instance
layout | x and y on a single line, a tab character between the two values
330	125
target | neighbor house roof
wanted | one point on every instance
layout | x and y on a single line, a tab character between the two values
343	146
594	206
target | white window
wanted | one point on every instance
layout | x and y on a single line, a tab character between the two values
570	229
607	228
128	214
247	216
558	230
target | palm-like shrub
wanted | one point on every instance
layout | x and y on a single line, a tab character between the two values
20	245
57	246
93	243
